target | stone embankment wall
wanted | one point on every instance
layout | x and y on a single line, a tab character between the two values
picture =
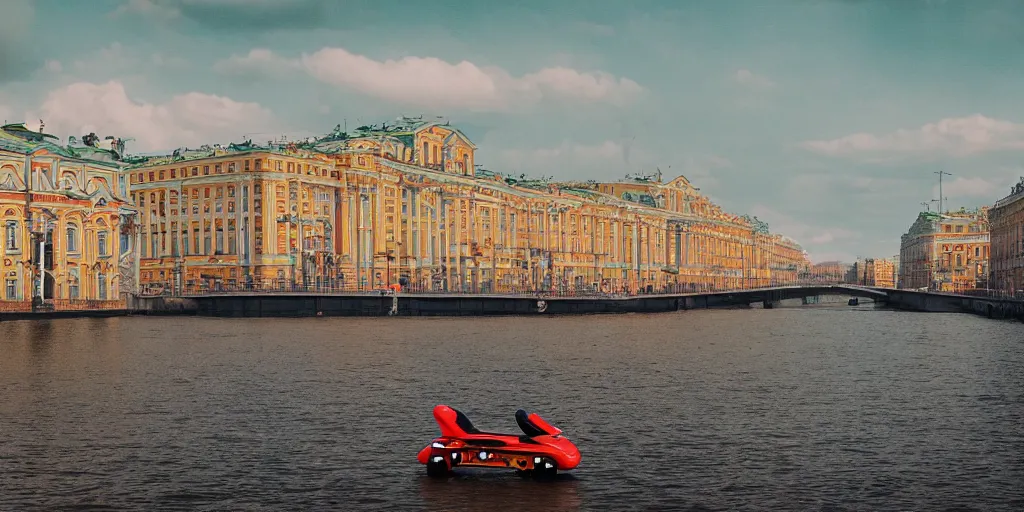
946	303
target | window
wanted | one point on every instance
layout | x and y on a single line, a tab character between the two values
257	164
977	252
124	243
231	166
101	286
101	244
11	242
73	288
195	171
206	170
12	289
161	174
72	239
217	169
174	173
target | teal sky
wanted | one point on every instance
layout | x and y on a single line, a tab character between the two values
827	119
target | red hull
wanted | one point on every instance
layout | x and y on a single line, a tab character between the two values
461	444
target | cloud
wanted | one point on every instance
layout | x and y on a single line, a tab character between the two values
954	137
16	40
751	79
239	15
434	83
988	190
188	119
807	234
258	62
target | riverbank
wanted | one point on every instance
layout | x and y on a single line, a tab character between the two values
303	304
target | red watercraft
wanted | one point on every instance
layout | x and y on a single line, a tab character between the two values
540	453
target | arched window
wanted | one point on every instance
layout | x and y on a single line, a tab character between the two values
72	238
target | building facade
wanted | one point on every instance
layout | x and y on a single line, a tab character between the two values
407	204
947	252
66	224
880	273
1006	219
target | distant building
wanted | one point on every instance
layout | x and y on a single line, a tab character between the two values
879	273
1007	224
831	272
947	252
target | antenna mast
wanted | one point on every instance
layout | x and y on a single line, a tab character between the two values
940	173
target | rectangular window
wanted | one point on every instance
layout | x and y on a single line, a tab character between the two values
247	164
12	289
231	167
217	169
206	170
101	286
73	291
124	244
101	244
72	243
195	171
11	242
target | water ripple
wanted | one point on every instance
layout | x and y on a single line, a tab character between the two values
785	409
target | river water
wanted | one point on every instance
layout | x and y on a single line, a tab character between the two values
816	408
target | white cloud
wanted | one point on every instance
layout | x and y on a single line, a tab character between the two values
806	234
958	137
751	79
188	119
434	83
54	66
258	61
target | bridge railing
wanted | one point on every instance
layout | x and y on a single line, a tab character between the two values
283	286
993	294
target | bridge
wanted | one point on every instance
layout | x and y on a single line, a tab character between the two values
302	303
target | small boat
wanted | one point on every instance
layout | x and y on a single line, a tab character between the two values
854	302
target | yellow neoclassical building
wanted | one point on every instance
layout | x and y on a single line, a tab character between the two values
406	203
65	217
946	252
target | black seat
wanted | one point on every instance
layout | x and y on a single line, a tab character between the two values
467	426
528	428
463	422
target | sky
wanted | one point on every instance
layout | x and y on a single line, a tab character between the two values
828	119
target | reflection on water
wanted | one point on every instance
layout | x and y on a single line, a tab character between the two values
482	490
785	409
